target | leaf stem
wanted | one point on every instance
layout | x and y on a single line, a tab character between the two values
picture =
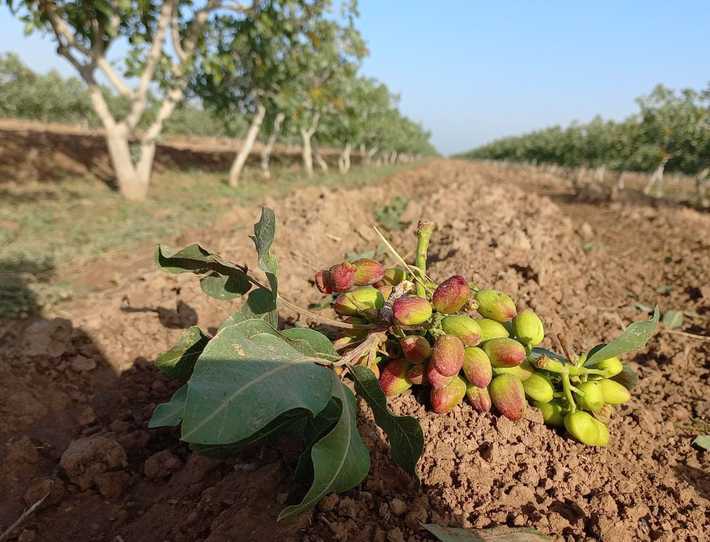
424	231
567	387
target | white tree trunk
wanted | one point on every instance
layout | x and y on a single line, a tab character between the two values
344	159
322	164
655	183
701	181
131	183
307	152
370	155
247	146
266	149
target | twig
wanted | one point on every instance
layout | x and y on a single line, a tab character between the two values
27	513
562	344
686	334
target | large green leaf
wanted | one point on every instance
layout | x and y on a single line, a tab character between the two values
316	428
494	534
633	337
311	342
169	414
404	432
340	459
264	232
179	361
287	421
220	279
246	377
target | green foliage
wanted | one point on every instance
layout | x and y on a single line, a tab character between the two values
25	94
702	441
390	216
672	319
251	381
671	128
634	337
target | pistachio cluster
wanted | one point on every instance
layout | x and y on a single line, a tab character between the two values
460	341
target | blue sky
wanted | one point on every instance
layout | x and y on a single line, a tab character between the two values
471	71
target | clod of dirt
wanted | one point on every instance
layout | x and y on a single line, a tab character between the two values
161	465
48	337
49	489
87	458
82	364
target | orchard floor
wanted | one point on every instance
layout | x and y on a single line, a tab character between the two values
584	268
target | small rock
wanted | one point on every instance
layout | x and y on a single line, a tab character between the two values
395	535
82	364
112	484
328	503
86	458
86	416
586	231
161	465
398	507
53	489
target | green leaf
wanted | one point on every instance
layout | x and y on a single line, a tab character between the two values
221	280
672	319
633	337
179	361
340	459
225	287
259	305
627	377
702	441
169	414
495	534
287	420
538	352
264	232
311	342
404	432
316	428
245	378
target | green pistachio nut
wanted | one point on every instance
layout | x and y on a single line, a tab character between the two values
496	305
451	295
610	366
447	355
365	301
393	378
539	388
435	378
411	310
415	348
477	367
613	392
527	328
490	329
504	352
367	272
603	433
553	413
464	327
394	275
444	399
522	371
508	396
479	398
583	427
591	398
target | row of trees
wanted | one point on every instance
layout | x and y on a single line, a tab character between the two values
670	132
282	68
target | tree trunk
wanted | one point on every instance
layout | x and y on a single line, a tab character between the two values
307	152
322	164
132	184
344	159
248	144
370	155
701	181
266	150
655	183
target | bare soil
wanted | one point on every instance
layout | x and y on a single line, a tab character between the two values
77	390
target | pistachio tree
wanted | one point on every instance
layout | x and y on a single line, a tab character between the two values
250	59
161	40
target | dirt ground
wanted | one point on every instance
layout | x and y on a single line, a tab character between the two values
77	388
